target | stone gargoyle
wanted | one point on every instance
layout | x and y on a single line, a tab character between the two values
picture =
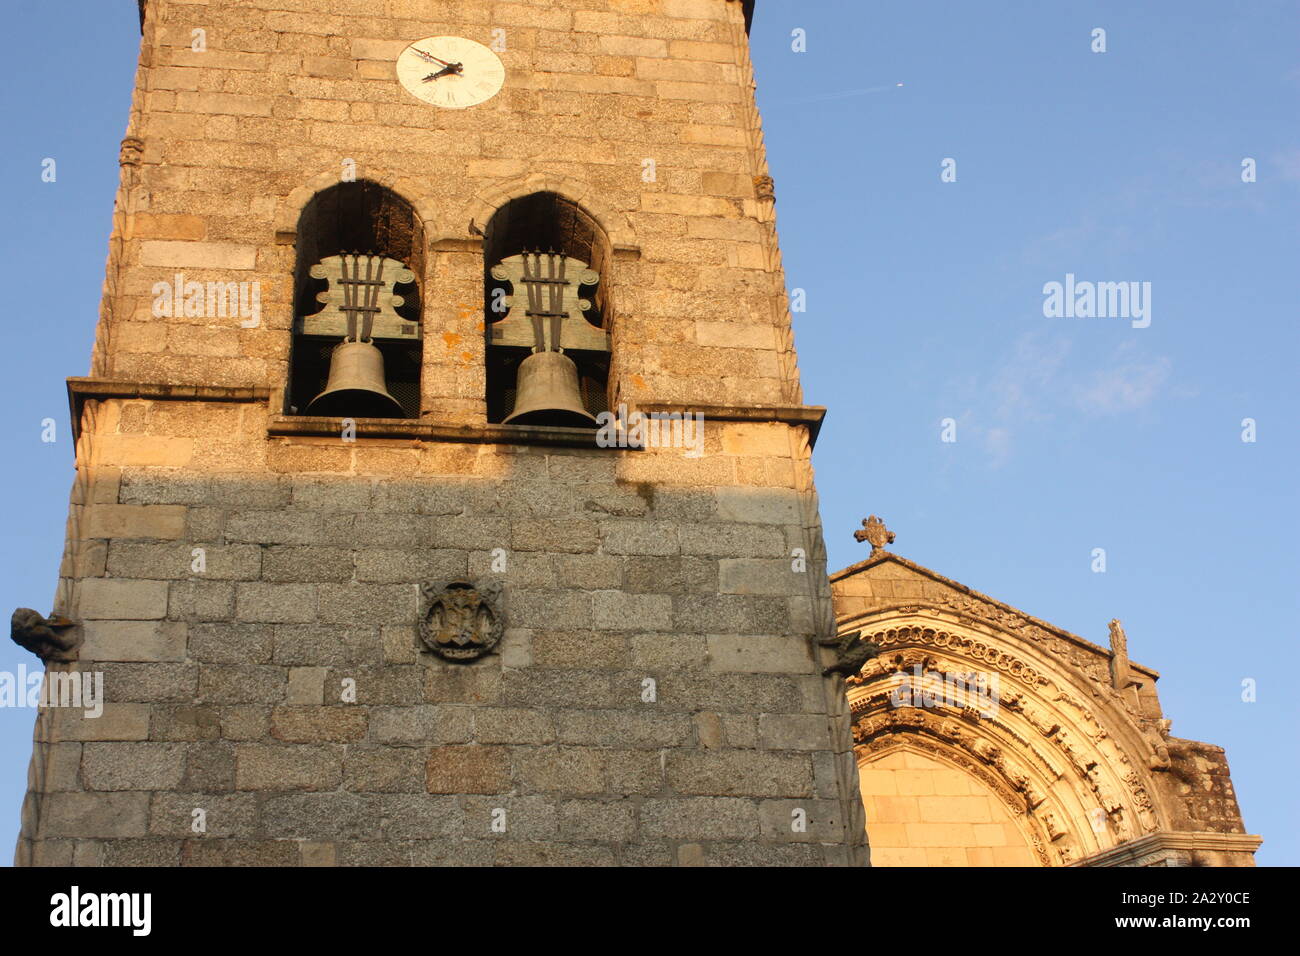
53	639
852	654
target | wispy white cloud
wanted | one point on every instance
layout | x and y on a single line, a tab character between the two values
1020	381
1041	380
1132	383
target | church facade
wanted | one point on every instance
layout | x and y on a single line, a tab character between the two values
444	491
987	737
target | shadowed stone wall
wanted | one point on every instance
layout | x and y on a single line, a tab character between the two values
225	687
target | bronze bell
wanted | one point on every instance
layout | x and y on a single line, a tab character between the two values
546	393
356	386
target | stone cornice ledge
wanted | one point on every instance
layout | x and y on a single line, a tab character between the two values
299	426
82	389
810	416
1154	844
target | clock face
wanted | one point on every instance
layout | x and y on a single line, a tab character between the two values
451	72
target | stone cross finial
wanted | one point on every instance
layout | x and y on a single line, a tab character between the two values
874	530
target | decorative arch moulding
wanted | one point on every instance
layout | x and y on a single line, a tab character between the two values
979	639
453	232
456	225
290	208
970	607
616	226
1050	697
1064	799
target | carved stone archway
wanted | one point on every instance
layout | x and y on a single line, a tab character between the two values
1031	737
1068	737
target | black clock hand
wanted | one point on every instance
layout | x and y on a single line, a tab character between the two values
449	69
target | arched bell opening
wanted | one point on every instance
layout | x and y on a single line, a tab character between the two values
357	338
546	262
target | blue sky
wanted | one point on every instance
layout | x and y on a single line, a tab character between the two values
924	302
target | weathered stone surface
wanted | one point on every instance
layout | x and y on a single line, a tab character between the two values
577	649
373	604
134	641
421	816
619	728
241	684
552	854
255	601
758	653
339	724
615	610
63	767
119	852
513	725
307	686
608	822
230	643
209	767
445	852
171	814
166	522
384	770
117	722
792	731
639	537
563	770
240	853
340	816
700	818
511	817
114	599
396	566
723	613
738	772
424	724
773	576
143	682
286	563
133	559
468	769
185	722
306	645
104	815
801	821
288	767
563	688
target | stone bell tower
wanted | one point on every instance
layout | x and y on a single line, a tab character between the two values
443	489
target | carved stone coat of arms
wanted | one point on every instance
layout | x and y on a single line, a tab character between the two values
461	620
